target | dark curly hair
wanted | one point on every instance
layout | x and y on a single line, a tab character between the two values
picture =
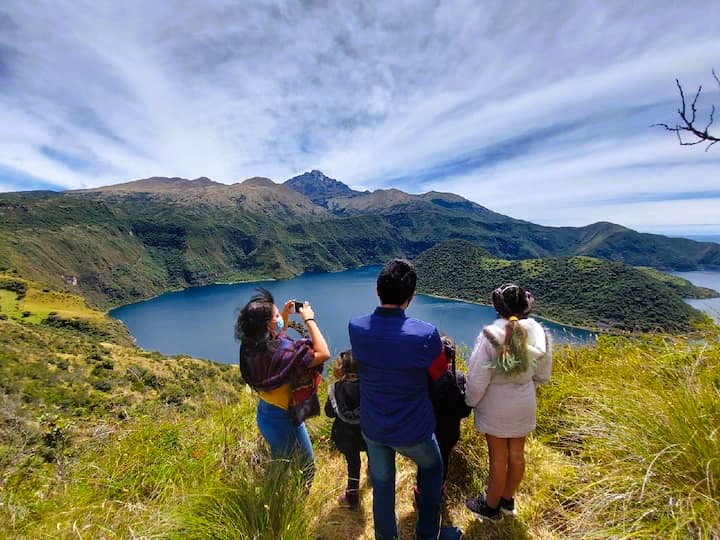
251	326
252	322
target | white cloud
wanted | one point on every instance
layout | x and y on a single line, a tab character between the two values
456	96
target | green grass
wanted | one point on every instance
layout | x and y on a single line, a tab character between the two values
9	304
640	419
40	303
652	447
99	439
264	502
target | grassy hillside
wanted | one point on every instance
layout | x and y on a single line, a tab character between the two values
99	439
581	291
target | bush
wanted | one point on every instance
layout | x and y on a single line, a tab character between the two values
97	371
62	363
172	394
104	385
54	437
17	287
144	377
95	356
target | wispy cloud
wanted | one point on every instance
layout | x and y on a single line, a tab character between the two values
535	111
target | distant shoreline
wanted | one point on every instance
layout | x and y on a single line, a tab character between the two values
592	330
179	289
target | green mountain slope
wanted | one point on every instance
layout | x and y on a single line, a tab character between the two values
130	241
581	291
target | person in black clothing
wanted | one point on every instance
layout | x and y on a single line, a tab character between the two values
448	398
343	404
447	394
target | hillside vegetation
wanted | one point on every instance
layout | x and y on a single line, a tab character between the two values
126	242
581	291
99	439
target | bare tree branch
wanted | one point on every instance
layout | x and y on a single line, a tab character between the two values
697	135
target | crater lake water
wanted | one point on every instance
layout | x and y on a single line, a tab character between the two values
200	321
704	278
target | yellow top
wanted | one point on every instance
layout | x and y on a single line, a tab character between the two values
280	397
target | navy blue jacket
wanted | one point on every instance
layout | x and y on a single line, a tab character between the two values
395	353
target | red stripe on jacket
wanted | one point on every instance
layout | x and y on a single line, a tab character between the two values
439	365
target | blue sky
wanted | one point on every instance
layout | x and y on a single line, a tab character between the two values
538	112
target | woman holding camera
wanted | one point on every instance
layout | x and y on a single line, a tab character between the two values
284	372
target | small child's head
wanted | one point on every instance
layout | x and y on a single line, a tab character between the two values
511	300
345	366
449	346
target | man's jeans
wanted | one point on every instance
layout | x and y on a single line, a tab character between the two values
382	472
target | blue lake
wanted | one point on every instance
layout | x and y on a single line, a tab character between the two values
199	321
704	279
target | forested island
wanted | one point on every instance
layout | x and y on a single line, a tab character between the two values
582	291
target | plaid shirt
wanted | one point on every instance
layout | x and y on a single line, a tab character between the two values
285	362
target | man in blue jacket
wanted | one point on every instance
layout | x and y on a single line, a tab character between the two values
395	355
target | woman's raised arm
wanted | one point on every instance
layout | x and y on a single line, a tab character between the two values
320	346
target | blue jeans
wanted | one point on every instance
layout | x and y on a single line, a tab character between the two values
285	440
382	471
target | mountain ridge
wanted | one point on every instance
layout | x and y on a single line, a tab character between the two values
319	188
139	239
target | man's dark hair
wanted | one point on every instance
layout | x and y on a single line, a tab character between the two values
396	282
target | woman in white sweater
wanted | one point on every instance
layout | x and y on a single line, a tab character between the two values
510	358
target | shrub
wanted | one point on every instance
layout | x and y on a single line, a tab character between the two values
62	363
104	385
172	394
54	437
97	371
144	377
95	356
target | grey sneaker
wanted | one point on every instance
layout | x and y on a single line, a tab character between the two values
479	506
